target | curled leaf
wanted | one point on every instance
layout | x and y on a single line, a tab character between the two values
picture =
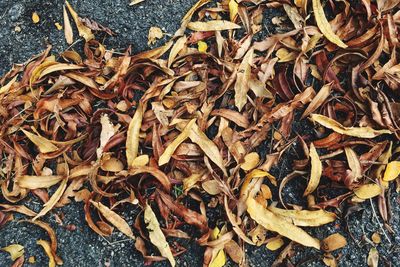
15	251
47	249
156	235
333	242
367	191
316	171
274	223
43	144
362	132
212	25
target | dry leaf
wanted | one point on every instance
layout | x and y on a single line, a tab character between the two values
114	219
324	25
318	100
233	9
316	171
135	2
35	182
178	46
170	149
43	144
68	33
242	80
362	132
275	243
15	251
368	191
373	258
53	200
212	25
108	130
333	242
156	235
35	17
251	161
202	46
392	171
154	34
83	31
132	138
305	217
354	163
47	249
274	223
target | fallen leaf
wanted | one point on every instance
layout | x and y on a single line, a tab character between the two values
318	100
275	243
44	145
135	2
316	171
15	251
68	33
274	223
305	217
373	258
202	46
251	161
333	242
242	80
47	249
83	31
132	138
362	132
233	9
324	25
35	182
367	191
176	48
114	219
35	17
108	130
156	235
154	34
212	25
392	171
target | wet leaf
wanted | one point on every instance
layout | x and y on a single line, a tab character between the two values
156	235
324	25
316	171
362	132
276	224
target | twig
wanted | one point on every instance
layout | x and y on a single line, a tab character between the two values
379	223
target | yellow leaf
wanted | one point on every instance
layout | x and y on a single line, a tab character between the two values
35	17
44	145
251	161
333	242
318	100
169	151
47	249
156	235
15	251
392	171
233	9
7	87
154	34
35	182
202	46
275	243
285	56
83	31
132	138
68	33
354	163
242	79
316	171
178	46
368	191
114	219
305	217
219	260
274	223
53	200
373	258
58	26
362	132
324	25
82	79
212	25
141	161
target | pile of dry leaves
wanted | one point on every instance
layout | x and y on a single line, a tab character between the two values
174	130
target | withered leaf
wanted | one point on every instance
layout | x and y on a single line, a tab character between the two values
212	25
316	171
156	235
242	80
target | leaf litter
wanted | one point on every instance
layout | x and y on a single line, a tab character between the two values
183	123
